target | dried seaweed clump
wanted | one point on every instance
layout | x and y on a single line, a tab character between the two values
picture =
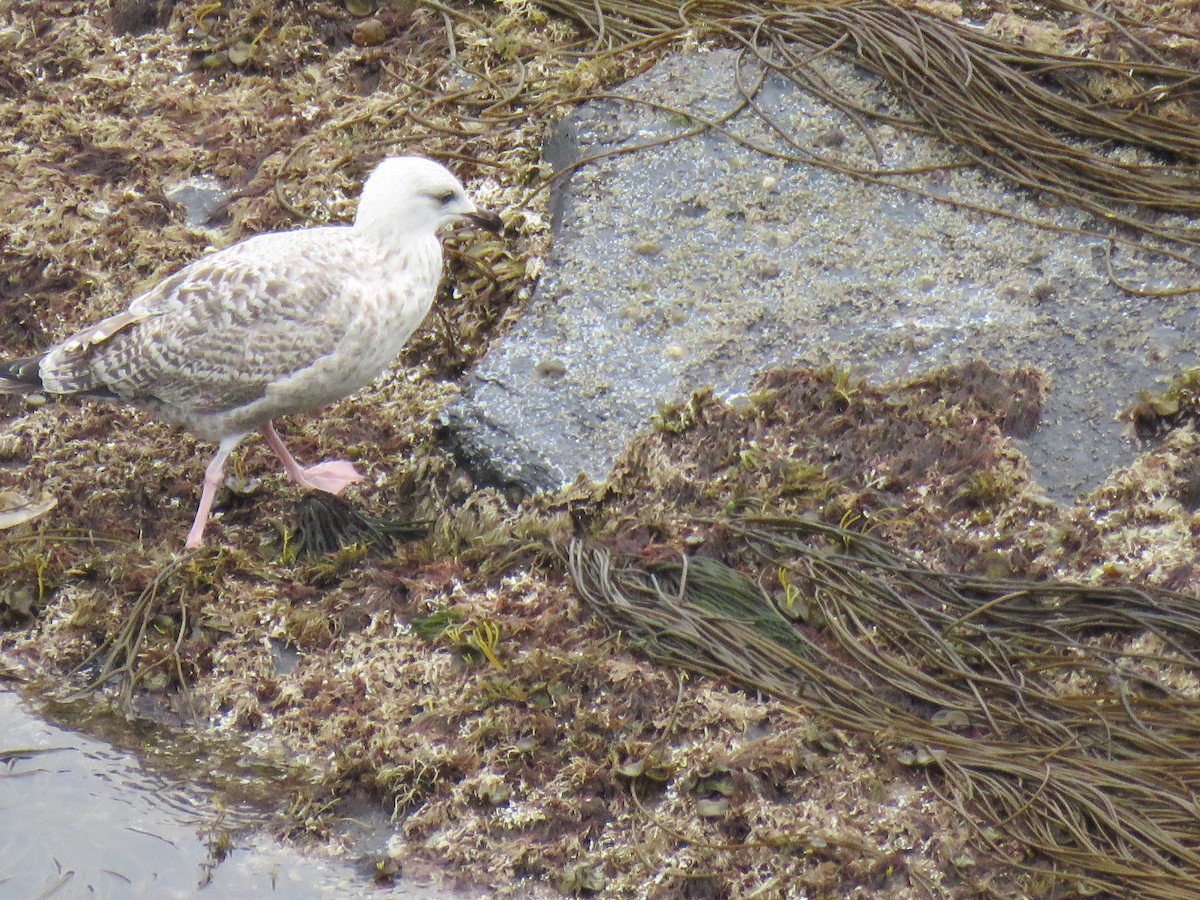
1179	404
926	462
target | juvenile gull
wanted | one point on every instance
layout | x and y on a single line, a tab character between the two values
280	323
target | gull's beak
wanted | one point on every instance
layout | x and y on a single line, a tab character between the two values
488	221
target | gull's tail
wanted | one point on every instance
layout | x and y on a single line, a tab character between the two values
20	376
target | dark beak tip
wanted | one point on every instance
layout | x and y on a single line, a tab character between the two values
489	221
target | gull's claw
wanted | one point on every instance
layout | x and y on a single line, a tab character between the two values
333	476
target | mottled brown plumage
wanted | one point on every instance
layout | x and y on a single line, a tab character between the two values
278	324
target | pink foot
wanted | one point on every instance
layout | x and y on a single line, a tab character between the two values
333	476
195	537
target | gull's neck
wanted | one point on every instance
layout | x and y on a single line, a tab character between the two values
392	237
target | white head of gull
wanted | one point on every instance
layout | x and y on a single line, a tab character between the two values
277	324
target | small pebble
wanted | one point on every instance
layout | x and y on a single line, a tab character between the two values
370	33
240	486
240	53
647	248
35	400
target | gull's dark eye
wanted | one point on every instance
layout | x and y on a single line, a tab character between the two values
444	197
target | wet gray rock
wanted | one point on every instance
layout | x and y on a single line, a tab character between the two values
704	262
202	197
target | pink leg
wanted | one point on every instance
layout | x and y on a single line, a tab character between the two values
212	481
331	477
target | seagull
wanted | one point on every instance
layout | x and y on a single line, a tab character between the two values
280	323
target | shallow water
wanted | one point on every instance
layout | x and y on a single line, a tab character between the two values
80	817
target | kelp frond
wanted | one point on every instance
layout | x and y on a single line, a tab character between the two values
1044	118
1065	717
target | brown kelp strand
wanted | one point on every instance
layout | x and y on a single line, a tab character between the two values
1032	704
1044	120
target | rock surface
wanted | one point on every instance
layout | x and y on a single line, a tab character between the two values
705	261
